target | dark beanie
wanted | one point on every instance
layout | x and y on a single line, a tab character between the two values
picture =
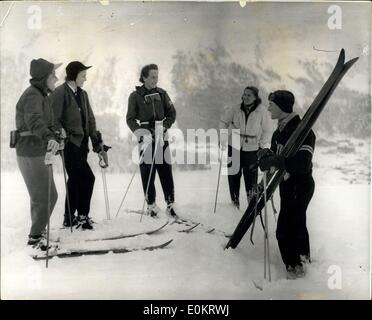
73	68
283	99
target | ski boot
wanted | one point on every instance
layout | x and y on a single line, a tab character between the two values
170	211
84	222
66	221
305	258
152	210
291	273
40	243
236	203
300	271
34	240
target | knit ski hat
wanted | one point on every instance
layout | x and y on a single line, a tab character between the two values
73	68
40	68
283	99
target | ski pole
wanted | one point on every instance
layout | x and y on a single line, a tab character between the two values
220	151
255	214
105	193
130	182
266	233
50	174
103	163
273	206
152	97
66	187
149	179
49	163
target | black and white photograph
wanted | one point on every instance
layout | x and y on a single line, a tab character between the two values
185	150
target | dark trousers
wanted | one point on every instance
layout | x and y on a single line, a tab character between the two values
80	179
36	176
164	170
236	169
291	232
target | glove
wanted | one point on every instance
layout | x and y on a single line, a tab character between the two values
62	133
263	153
103	159
99	147
267	162
61	145
145	141
53	146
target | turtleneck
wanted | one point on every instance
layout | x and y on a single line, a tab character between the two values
284	121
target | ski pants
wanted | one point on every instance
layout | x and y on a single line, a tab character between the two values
245	160
291	232
36	176
80	181
163	167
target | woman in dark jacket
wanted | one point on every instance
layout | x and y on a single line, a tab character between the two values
73	113
150	114
34	122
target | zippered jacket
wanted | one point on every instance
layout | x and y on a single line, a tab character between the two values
254	132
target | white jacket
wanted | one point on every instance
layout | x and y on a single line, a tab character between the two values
254	133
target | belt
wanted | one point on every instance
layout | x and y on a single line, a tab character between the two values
26	134
148	122
247	136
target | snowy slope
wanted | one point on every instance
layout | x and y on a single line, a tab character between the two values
195	265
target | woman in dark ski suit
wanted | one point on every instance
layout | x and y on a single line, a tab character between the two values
251	119
297	187
149	106
73	112
34	122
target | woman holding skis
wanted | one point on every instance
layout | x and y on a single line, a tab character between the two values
35	136
246	130
297	187
150	114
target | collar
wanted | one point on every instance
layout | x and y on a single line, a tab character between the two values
283	122
249	108
142	90
72	89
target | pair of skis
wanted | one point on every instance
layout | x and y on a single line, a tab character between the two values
291	147
59	251
66	253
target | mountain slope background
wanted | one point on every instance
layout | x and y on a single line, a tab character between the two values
207	53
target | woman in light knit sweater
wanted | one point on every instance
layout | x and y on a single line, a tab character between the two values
252	132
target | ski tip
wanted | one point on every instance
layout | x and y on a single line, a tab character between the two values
352	61
165	244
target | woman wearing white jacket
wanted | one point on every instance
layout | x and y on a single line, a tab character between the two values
252	132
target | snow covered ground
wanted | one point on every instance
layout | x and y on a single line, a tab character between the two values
195	265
